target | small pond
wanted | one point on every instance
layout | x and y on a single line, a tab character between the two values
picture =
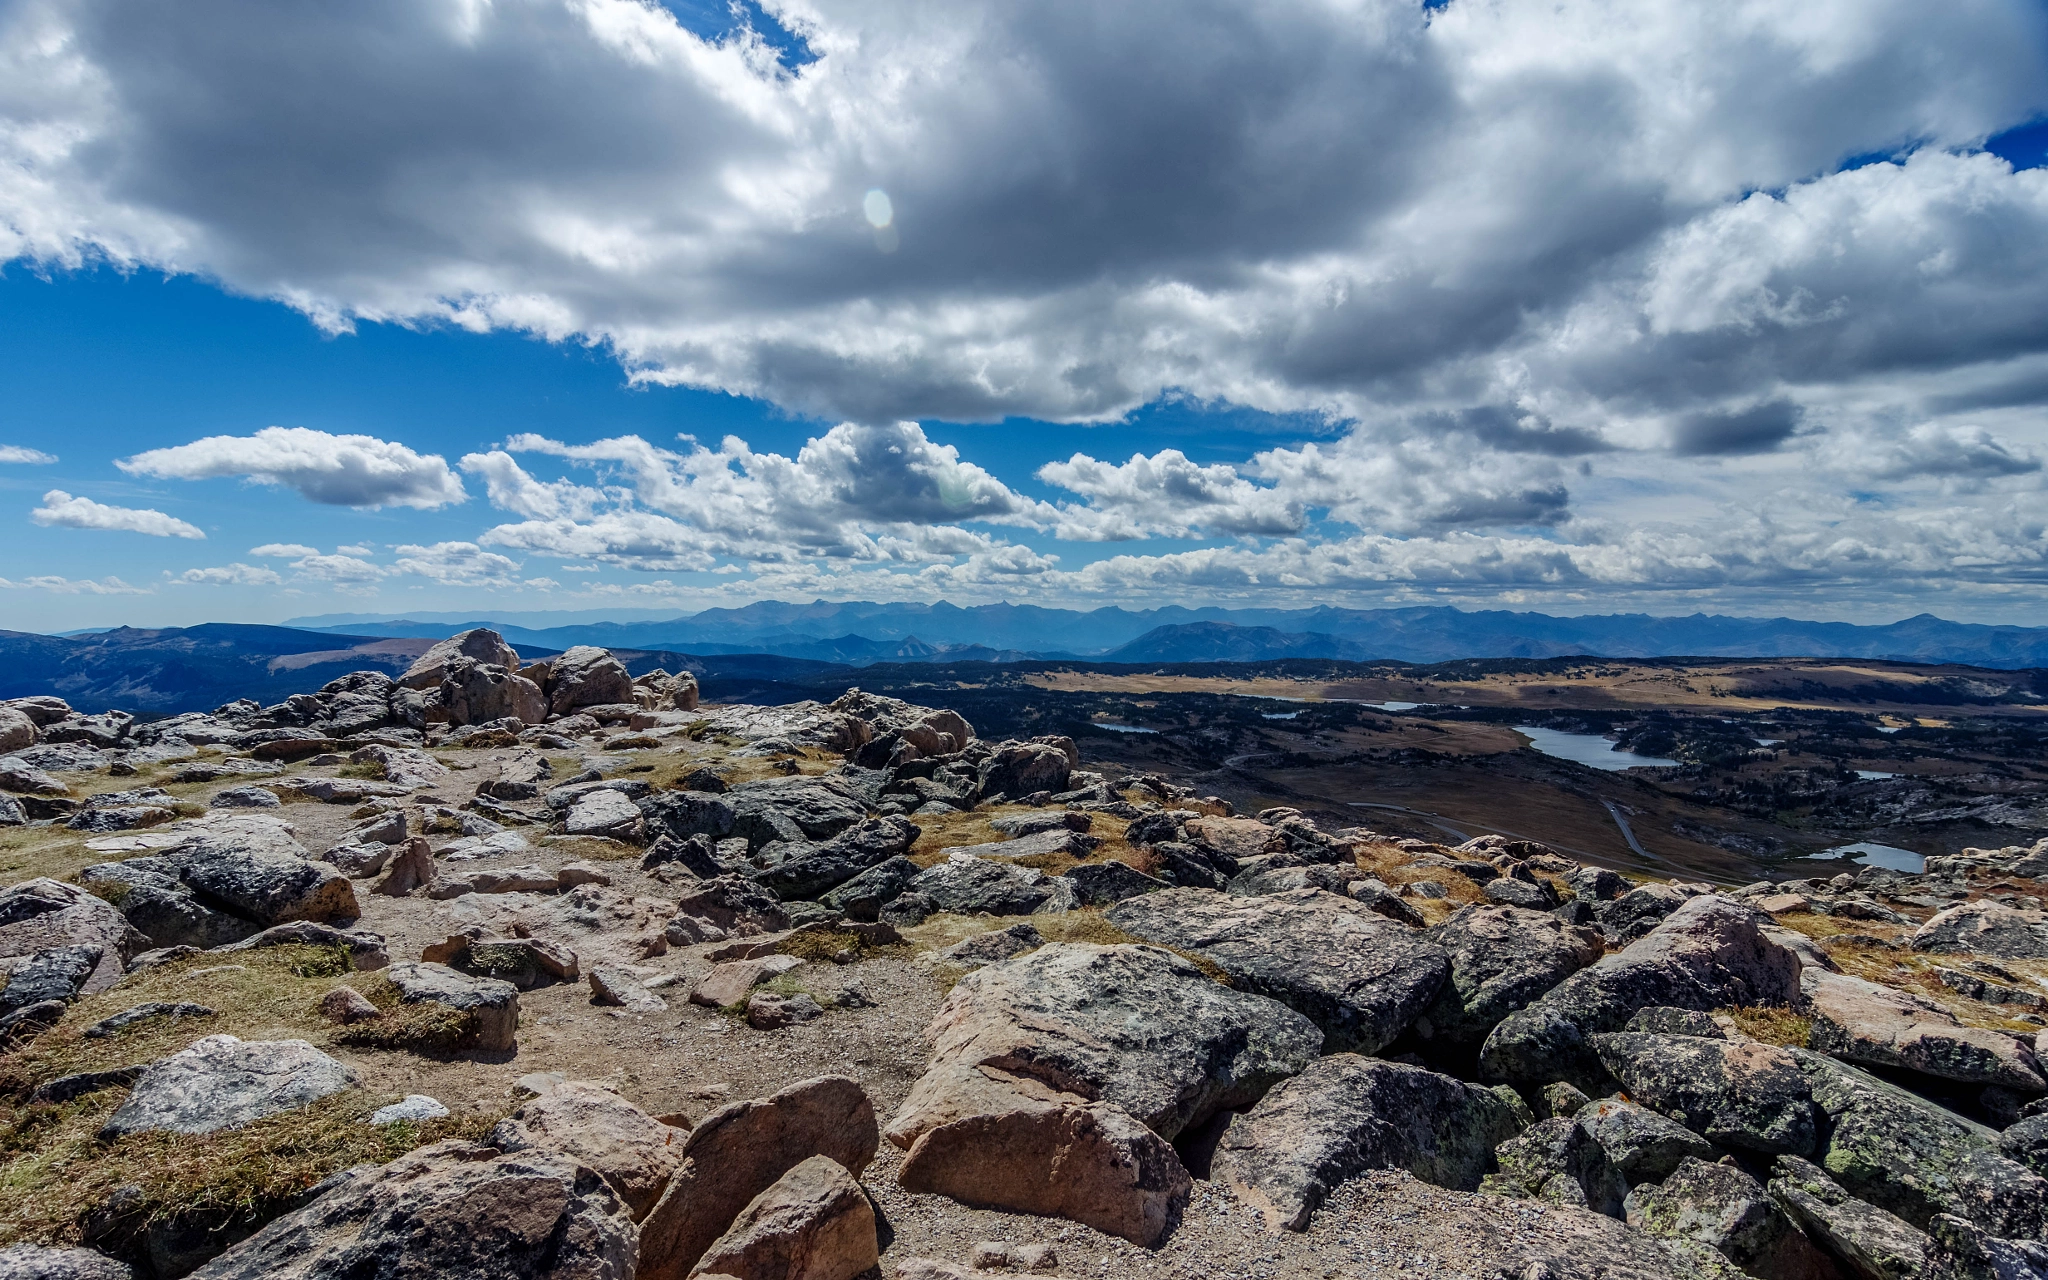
1872	854
1586	748
1123	728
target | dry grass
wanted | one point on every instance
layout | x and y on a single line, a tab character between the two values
421	1027
1771	1025
1910	971
1820	928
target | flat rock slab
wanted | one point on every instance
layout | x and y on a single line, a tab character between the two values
967	885
1135	1026
1359	976
728	983
455	1211
602	813
1739	1094
1988	929
739	1151
1053	841
1863	1022
221	1082
1346	1114
492	1006
814	1223
1711	953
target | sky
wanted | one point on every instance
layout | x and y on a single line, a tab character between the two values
517	305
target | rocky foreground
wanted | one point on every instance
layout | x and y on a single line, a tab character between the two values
505	970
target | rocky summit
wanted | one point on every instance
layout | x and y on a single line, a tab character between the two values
503	968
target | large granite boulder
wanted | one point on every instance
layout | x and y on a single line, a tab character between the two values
161	907
451	1211
819	868
1643	1145
54	973
730	904
1744	1094
1879	1026
741	1150
1720	1207
1100	884
600	1130
480	644
864	896
490	1008
1019	769
1502	959
1871	1243
1987	929
41	914
16	729
1344	1115
797	809
969	885
1557	1161
682	814
484	692
1915	1159
1360	977
587	676
1710	953
814	1223
607	813
250	865
220	1082
35	1262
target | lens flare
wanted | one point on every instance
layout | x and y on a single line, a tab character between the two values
879	211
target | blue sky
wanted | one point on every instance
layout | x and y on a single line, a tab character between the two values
1622	306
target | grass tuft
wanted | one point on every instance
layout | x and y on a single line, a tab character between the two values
1771	1024
424	1026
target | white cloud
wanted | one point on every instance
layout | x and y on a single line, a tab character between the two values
360	549
284	550
14	453
229	575
344	470
109	586
61	509
1169	495
457	564
342	570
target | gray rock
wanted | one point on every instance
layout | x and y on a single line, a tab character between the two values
612	985
18	775
253	867
2027	1142
157	902
1558	1162
734	904
11	812
479	644
415	1107
1719	1207
1360	977
1258	880
1501	960
815	1223
1870	1242
587	676
864	896
30	1021
491	1006
1098	884
37	915
474	693
1878	1026
682	814
1380	899
1520	893
385	828
1025	824
1915	1159
1667	1021
1134	1026
1987	929
358	861
563	798
1055	842
1745	1095
907	910
55	973
1709	954
966	886
799	808
1019	769
1344	1115
34	1262
454	1211
1596	884
101	819
73	1087
604	813
999	944
220	1082
767	1011
365	950
148	1012
824	867
1641	1144
245	798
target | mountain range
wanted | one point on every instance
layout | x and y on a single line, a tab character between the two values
862	632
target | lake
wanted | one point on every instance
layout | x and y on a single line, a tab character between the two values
1871	854
1589	749
1124	728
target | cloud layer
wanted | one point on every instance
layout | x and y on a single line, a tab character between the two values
342	470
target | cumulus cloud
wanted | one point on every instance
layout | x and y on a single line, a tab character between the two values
14	453
344	571
284	550
1166	494
457	564
229	575
61	509
109	586
343	470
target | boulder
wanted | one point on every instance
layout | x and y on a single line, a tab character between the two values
1709	954
147	1012
1056	842
11	812
1344	1115
483	693
682	814
600	1130
727	984
1019	769
1987	929
734	904
39	914
1878	1026
1640	910
1502	959
244	798
767	1011
813	1223
16	729
864	896
1360	977
1134	1026
220	1082
967	886
820	868
365	950
1558	1162
2027	1142
604	813
358	861
1099	884
1234	838
1745	1095
55	973
253	867
1915	1159
1643	1145
455	1211
1871	1243
18	775
161	907
490	1007
1028	824
1719	1207
1596	884
997	944
411	868
35	1262
612	985
1261	878
477	645
739	1151
402	766
587	676
798	809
